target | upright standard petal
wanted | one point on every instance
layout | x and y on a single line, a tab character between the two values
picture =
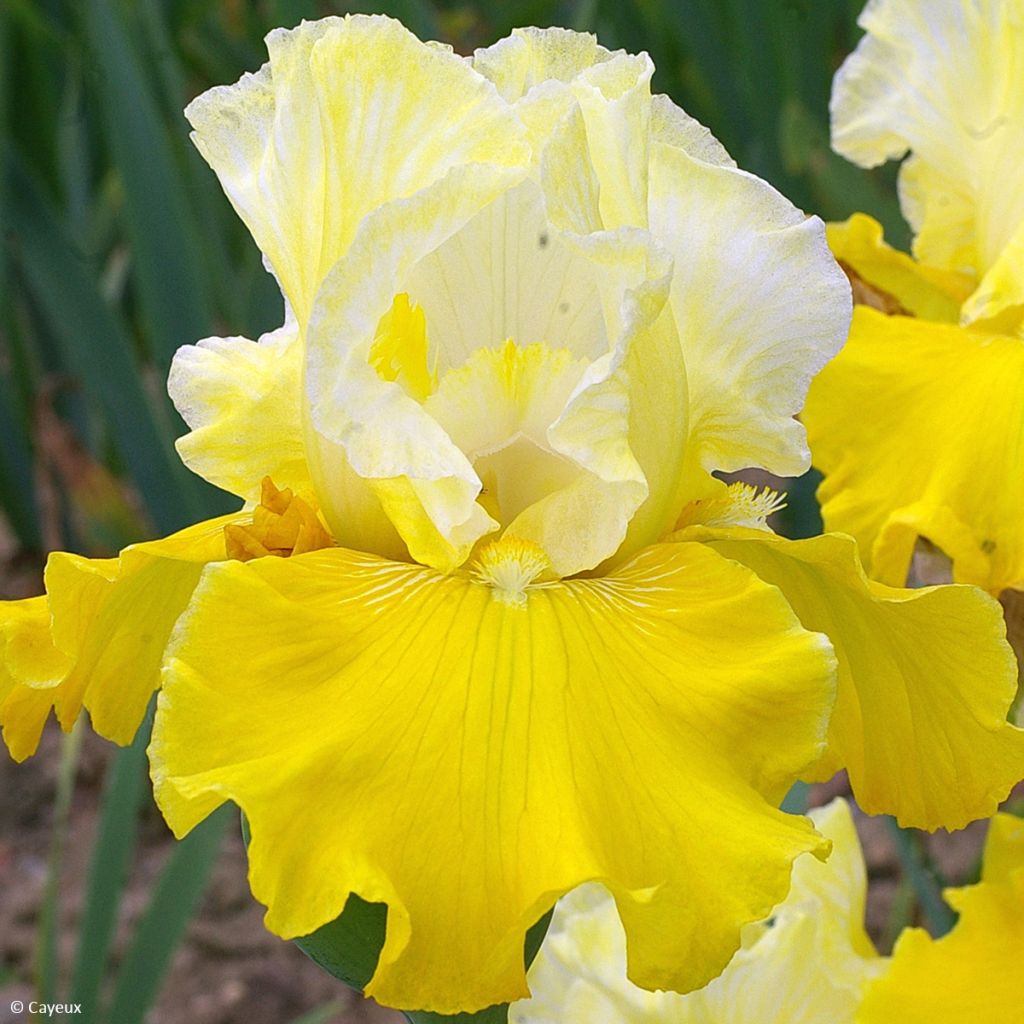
467	749
750	350
944	79
900	422
808	965
349	115
926	679
973	973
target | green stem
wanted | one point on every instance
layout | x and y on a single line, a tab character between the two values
924	877
47	967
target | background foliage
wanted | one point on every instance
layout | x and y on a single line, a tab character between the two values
118	246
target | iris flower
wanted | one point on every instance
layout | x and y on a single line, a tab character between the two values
918	425
809	963
487	627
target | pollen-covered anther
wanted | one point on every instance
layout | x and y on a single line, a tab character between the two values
282	525
510	566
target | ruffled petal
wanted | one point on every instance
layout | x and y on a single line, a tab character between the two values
811	965
112	618
349	115
890	280
243	401
973	973
30	667
467	753
925	680
759	303
945	80
900	422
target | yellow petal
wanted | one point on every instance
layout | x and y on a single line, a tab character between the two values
973	973
944	80
925	680
900	423
30	667
809	967
111	619
349	115
759	303
904	284
243	401
466	752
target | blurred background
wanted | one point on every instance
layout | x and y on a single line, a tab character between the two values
118	247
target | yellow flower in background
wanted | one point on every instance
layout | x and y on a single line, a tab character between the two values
918	425
487	628
809	963
973	973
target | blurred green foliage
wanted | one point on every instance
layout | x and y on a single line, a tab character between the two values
119	245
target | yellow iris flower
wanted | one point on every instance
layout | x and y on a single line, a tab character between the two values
918	425
809	963
487	627
973	973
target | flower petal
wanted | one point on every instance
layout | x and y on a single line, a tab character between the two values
759	303
905	285
427	742
944	79
111	619
811	965
349	115
972	974
925	680
900	422
243	401
30	666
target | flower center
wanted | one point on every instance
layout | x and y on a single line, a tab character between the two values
510	566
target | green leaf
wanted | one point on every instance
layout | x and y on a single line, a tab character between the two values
178	891
47	960
349	946
165	241
111	859
95	347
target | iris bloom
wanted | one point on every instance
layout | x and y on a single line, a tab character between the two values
973	973
808	964
918	425
487	627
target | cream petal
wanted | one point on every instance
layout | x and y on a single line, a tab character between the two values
349	115
760	307
943	79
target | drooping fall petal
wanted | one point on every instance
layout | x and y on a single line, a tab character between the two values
466	751
925	680
900	423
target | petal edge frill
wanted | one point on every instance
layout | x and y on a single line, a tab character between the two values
926	679
415	739
112	617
